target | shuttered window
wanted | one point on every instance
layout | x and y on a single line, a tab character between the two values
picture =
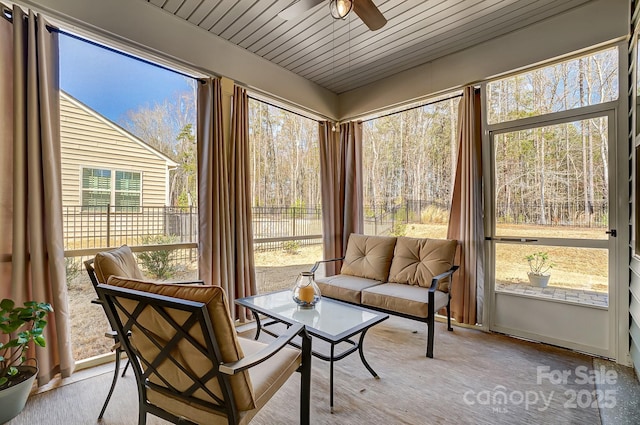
96	189
127	191
101	188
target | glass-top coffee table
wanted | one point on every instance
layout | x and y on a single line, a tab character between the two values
332	321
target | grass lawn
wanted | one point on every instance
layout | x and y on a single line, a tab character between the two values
577	268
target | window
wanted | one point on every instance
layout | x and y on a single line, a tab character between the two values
408	170
96	189
583	81
98	192
285	187
122	118
127	193
550	131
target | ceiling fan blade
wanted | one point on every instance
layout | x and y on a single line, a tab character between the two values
369	13
298	8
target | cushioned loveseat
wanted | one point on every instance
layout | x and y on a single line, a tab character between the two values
408	277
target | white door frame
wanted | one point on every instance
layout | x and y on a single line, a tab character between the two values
608	348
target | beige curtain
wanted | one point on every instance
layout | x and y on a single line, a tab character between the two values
32	256
224	196
215	239
240	187
466	221
341	180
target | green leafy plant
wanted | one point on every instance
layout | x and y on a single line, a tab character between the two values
158	264
72	267
539	262
399	229
291	247
19	326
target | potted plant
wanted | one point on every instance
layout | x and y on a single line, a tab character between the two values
539	264
19	326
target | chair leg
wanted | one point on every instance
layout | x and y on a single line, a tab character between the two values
142	415
431	324
449	328
430	334
113	383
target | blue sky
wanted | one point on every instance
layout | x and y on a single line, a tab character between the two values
110	83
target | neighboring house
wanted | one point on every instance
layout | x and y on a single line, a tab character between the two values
105	165
102	163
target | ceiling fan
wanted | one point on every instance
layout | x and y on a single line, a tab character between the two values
365	9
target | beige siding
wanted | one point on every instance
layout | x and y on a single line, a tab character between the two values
89	141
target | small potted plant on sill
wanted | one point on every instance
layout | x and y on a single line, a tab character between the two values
19	326
539	265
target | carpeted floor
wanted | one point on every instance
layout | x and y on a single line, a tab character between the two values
475	378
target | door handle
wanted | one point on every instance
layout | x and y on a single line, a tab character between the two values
612	232
497	238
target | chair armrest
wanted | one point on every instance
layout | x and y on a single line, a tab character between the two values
436	279
317	264
265	353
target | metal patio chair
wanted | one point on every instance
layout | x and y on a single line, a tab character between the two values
190	365
119	262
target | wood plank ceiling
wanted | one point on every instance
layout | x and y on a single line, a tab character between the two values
344	54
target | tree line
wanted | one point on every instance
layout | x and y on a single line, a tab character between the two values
555	173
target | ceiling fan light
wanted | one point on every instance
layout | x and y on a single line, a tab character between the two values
340	8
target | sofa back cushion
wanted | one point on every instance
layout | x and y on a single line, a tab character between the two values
368	256
416	261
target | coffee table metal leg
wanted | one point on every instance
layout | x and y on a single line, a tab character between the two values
331	377
364	361
258	326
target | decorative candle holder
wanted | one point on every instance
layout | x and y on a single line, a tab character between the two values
305	292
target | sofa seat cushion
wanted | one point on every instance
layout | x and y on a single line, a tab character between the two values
416	261
368	256
344	287
403	298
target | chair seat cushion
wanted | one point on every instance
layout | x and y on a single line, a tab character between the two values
403	298
344	287
272	374
266	378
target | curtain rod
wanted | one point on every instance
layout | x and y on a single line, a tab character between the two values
414	107
284	109
111	49
6	13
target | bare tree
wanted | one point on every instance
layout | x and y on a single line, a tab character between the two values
170	128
